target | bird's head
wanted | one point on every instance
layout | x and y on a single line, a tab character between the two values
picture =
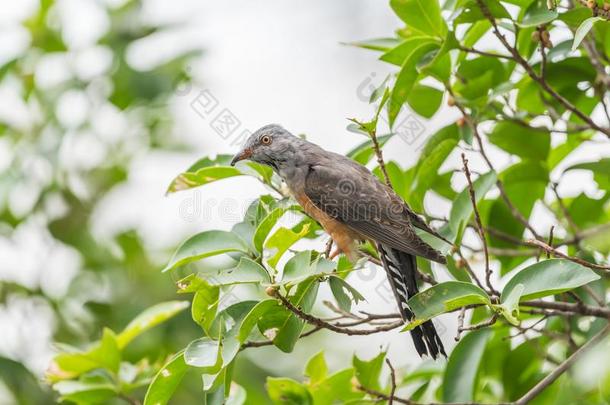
271	145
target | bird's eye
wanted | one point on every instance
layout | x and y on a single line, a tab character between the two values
266	140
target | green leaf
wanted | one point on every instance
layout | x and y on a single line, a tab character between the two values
166	382
205	305
425	100
344	293
203	353
82	392
538	16
549	277
462	368
472	12
297	267
510	305
206	175
267	224
150	318
422	15
254	316
284	391
600	167
300	267
442	298
338	388
437	149
399	54
104	354
238	395
247	271
406	79
364	152
316	368
377	44
291	327
281	241
206	244
368	373
513	137
462	210
583	30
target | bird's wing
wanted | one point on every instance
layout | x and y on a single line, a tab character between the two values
355	197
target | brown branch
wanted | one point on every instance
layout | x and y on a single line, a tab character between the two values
563	367
548	254
380	160
565	211
557	253
460	327
249	345
392	381
477	217
312	320
469	270
569	308
483	53
534	76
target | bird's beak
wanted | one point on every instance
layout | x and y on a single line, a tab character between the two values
243	155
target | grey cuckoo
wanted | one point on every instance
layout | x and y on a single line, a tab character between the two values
352	205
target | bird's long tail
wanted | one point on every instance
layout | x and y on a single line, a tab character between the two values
402	273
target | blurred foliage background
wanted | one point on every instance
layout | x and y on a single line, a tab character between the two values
81	114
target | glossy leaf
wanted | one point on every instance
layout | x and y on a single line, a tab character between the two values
422	15
368	372
281	241
444	297
583	30
513	137
316	368
344	293
284	391
549	277
202	177
206	244
150	318
166	382
462	368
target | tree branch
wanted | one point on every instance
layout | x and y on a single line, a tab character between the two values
557	253
563	367
477	217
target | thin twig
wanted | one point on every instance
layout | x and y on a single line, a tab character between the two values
460	327
483	53
563	367
392	381
326	325
380	160
548	254
569	308
557	253
477	217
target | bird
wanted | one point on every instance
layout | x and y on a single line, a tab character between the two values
352	205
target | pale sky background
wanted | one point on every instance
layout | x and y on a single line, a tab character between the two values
271	61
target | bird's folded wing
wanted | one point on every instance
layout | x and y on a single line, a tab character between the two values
358	199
